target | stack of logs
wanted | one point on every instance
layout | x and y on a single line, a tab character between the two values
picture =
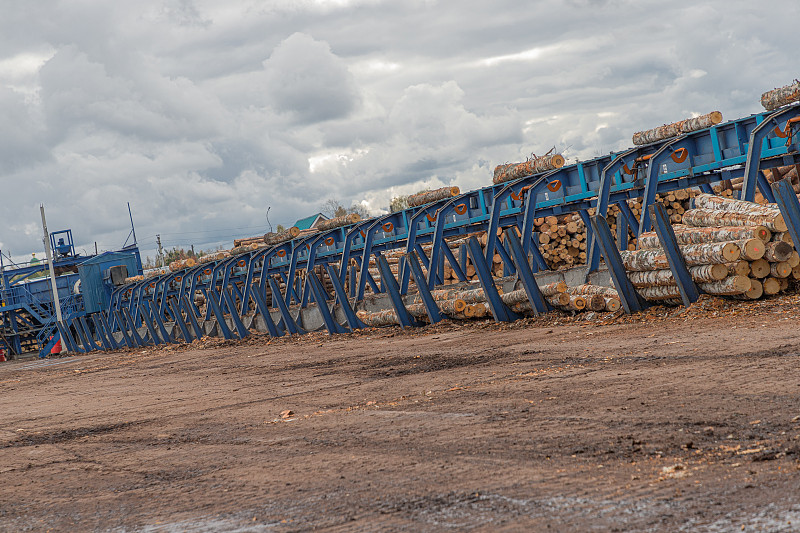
731	248
562	239
464	302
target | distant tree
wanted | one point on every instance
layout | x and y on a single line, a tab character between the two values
280	228
399	203
333	208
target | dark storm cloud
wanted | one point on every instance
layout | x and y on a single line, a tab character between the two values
204	114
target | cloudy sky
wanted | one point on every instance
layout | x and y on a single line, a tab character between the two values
202	114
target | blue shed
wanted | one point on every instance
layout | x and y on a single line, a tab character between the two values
96	285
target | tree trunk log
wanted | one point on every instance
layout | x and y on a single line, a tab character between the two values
711	217
694	235
515	171
668	131
780	97
427	197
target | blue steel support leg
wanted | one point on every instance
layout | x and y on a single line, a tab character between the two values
764	187
627	293
341	295
789	206
107	327
123	329
595	248
500	312
81	335
630	218
134	332
67	336
188	308
322	304
430	305
288	322
237	320
261	304
537	301
706	188
88	333
393	290
686	285
222	326
149	325
622	232
103	333
160	323
538	259
178	318
453	262
352	280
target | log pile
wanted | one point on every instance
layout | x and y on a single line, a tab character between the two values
180	264
731	248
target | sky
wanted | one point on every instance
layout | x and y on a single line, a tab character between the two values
204	115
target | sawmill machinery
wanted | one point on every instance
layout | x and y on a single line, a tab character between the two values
84	284
243	292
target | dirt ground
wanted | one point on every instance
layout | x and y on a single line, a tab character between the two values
671	420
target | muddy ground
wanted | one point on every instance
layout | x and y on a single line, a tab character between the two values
666	421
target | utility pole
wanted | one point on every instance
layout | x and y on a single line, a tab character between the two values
49	254
160	250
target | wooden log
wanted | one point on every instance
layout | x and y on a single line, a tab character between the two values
794	259
248	240
286	235
751	249
777	251
576	303
587	288
594	302
700	274
739	268
796	272
693	254
781	96
660	292
677	128
784	236
535	165
387	317
338	222
760	268
755	292
551	289
728	286
452	307
427	197
780	270
214	256
180	264
771	286
612	304
710	217
697	235
560	299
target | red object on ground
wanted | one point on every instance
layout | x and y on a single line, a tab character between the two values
2	355
56	348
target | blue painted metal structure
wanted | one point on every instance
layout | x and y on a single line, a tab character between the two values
27	312
738	148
